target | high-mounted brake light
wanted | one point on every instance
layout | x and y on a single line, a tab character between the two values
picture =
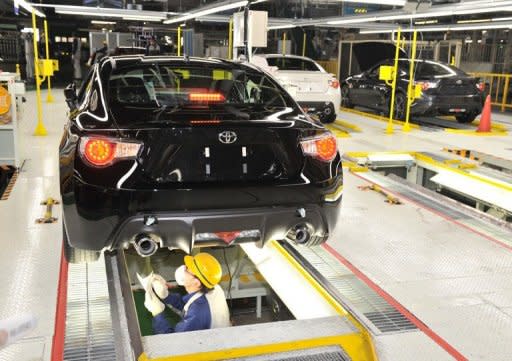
100	152
334	83
206	97
323	147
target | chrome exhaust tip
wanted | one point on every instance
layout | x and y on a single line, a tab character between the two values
300	234
145	245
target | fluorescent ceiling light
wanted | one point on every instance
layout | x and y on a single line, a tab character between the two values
378	2
100	13
424	22
473	21
285	26
102	22
442	28
28	7
473	7
207	10
141	18
501	19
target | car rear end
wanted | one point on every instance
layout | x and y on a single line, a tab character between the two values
316	91
447	90
213	170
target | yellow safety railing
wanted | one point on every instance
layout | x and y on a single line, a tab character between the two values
498	87
330	66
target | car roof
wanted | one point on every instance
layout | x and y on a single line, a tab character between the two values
132	59
283	56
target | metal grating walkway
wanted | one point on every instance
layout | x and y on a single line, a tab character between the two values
374	310
89	333
330	353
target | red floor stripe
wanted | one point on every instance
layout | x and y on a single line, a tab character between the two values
60	314
393	302
442	215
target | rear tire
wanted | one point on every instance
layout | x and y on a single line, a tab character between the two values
345	98
77	255
400	106
465	118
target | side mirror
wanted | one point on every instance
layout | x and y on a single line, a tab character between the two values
71	97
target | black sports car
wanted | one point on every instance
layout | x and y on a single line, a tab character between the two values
446	90
184	152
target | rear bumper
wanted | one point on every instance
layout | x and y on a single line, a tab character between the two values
446	105
96	218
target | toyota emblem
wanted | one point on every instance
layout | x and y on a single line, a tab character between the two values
227	137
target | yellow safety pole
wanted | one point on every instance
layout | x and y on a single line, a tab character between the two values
18	69
505	92
304	44
179	40
410	88
49	97
40	129
389	128
284	43
453	61
230	39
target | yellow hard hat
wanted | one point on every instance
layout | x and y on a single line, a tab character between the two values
205	267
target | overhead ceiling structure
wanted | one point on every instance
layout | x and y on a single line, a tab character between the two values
465	15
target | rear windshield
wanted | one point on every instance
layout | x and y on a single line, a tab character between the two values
283	63
193	86
426	69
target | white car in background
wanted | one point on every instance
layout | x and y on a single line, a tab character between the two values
316	91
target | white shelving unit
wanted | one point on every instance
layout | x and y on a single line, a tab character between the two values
9	132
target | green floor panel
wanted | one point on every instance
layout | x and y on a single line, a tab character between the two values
145	317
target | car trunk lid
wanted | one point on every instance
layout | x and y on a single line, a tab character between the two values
223	152
304	81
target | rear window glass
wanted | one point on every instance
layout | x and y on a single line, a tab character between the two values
163	85
430	69
283	63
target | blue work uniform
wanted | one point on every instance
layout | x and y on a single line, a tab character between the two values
198	316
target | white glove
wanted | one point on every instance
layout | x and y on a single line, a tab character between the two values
160	286
153	304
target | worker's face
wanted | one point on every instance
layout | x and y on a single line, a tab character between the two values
191	282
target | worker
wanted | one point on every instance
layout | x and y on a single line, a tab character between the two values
153	48
76	57
203	307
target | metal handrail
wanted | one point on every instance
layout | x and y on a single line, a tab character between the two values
499	88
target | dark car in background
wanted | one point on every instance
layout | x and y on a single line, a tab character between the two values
445	90
185	152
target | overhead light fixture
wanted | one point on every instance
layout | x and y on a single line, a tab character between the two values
472	21
284	26
207	10
425	22
96	12
102	22
379	2
473	7
141	18
487	26
28	7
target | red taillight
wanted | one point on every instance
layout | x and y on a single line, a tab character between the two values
206	97
334	83
323	147
481	86
101	152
